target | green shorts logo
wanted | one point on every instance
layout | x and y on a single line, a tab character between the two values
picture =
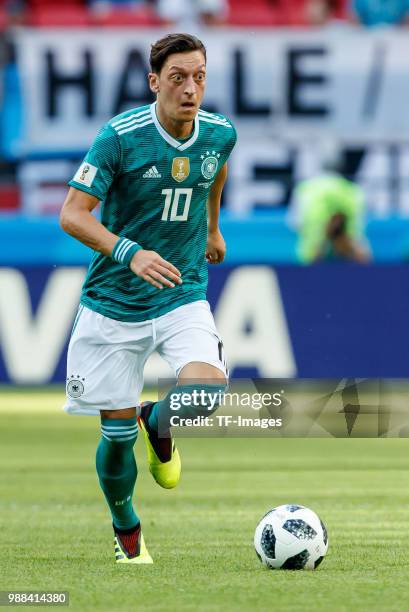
209	167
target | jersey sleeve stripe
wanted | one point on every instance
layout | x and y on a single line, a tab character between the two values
212	116
203	112
208	120
134	127
135	115
131	122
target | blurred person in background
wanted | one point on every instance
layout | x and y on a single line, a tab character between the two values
105	6
186	12
330	211
321	12
112	4
15	10
315	13
374	13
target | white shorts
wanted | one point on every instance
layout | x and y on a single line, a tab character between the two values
106	357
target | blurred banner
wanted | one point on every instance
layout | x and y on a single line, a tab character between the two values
283	89
73	81
324	321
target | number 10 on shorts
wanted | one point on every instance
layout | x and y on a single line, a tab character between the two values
172	204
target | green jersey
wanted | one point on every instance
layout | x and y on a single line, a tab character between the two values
154	190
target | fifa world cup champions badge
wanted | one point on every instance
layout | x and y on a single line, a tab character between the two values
180	168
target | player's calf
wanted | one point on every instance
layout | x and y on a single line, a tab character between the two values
116	468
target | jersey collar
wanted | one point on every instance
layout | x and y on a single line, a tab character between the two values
181	146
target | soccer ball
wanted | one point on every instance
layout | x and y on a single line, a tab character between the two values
291	537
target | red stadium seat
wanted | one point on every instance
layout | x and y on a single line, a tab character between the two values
3	19
342	9
54	4
295	11
141	17
255	13
9	197
277	12
59	16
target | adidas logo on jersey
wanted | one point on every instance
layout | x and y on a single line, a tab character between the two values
152	173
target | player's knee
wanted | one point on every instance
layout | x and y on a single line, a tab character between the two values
197	399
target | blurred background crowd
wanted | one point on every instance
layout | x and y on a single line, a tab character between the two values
337	18
211	12
318	91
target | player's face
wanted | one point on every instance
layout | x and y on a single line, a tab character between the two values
180	85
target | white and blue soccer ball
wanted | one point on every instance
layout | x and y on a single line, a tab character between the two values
291	537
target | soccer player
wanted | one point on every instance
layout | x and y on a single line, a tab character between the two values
159	171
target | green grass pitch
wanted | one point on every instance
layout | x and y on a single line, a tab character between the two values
56	532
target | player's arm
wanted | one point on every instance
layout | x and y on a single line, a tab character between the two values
76	219
216	247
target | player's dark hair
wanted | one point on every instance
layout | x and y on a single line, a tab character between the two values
173	43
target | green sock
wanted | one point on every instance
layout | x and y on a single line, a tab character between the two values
204	400
116	468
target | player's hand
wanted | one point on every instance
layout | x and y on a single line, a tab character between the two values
336	226
153	269
216	247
